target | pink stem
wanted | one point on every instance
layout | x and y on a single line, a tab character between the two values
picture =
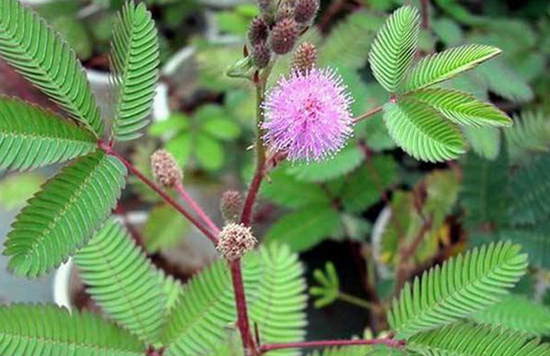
109	150
242	311
196	208
248	209
328	343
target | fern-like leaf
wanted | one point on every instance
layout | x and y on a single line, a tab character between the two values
394	47
134	60
31	137
123	281
460	287
484	141
516	312
274	287
64	215
422	132
345	351
466	339
485	190
438	67
35	330
530	133
535	241
29	45
530	191
462	108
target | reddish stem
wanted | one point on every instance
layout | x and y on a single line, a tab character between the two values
367	114
425	10
109	150
196	208
329	343
248	209
242	311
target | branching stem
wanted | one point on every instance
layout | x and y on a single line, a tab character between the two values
196	208
167	198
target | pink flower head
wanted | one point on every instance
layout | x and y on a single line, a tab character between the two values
308	115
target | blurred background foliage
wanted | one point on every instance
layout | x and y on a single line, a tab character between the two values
356	211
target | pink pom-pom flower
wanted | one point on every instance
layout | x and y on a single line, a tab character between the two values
308	115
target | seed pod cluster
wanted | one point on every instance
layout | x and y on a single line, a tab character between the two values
278	27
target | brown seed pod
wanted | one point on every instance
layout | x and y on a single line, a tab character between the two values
305	57
284	35
165	169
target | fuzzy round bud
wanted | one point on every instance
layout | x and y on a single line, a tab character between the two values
258	31
306	10
235	240
165	169
284	36
286	11
261	55
231	205
305	57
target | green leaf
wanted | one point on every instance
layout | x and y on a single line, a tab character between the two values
175	123
287	191
438	67
467	339
344	162
535	241
209	152
504	81
462	108
65	214
448	31
328	289
349	42
41	56
529	134
157	237
222	128
394	47
363	188
180	147
134	61
32	330
518	313
530	192
459	288
201	321
484	141
484	192
304	229
75	33
122	281
31	137
422	132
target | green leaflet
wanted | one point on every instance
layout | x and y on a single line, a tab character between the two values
134	59
459	288
394	47
518	313
422	132
530	133
462	108
123	282
203	319
466	339
438	67
484	141
533	240
31	137
31	330
64	215
530	192
29	45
